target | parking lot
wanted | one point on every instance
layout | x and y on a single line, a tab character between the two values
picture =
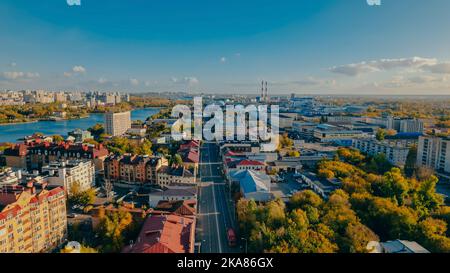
287	188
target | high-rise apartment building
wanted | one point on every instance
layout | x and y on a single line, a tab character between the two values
32	218
117	124
434	152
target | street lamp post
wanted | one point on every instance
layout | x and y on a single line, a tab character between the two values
246	243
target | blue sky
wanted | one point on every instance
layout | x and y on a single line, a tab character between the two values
218	46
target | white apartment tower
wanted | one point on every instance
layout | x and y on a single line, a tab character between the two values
117	124
434	152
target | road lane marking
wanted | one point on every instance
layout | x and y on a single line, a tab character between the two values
215	209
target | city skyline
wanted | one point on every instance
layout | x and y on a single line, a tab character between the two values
307	47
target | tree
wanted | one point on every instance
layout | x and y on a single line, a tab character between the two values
285	141
423	173
111	228
425	199
356	238
84	249
57	138
379	164
305	199
97	130
246	214
431	233
385	218
392	185
294	154
79	197
410	164
381	134
352	156
176	160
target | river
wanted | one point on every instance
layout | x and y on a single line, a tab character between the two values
12	132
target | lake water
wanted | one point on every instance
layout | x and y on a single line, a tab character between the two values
12	132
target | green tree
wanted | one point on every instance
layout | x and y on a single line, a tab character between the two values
97	130
392	185
425	200
111	228
58	138
381	134
410	164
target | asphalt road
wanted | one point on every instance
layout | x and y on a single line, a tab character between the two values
215	212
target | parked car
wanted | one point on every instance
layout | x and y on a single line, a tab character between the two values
72	215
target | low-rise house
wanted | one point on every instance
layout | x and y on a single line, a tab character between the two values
175	176
8	177
190	154
323	187
254	165
16	157
286	165
165	234
178	207
327	133
396	246
172	194
253	185
80	135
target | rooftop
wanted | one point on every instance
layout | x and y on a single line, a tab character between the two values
165	234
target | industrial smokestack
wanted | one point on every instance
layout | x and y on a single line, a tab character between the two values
267	94
262	90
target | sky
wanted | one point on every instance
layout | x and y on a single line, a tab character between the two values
226	46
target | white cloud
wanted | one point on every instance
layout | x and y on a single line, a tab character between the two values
79	69
440	68
185	80
102	80
73	2
76	70
134	82
382	65
312	81
13	64
18	75
223	60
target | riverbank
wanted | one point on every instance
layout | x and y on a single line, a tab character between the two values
68	119
20	122
12	132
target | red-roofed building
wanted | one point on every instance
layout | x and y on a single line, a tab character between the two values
190	153
254	165
34	155
165	234
32	219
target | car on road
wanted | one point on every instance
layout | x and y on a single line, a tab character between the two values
72	215
231	236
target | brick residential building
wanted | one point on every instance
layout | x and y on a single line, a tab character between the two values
133	169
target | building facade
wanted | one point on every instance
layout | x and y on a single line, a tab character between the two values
434	152
67	173
116	124
32	220
133	169
396	155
